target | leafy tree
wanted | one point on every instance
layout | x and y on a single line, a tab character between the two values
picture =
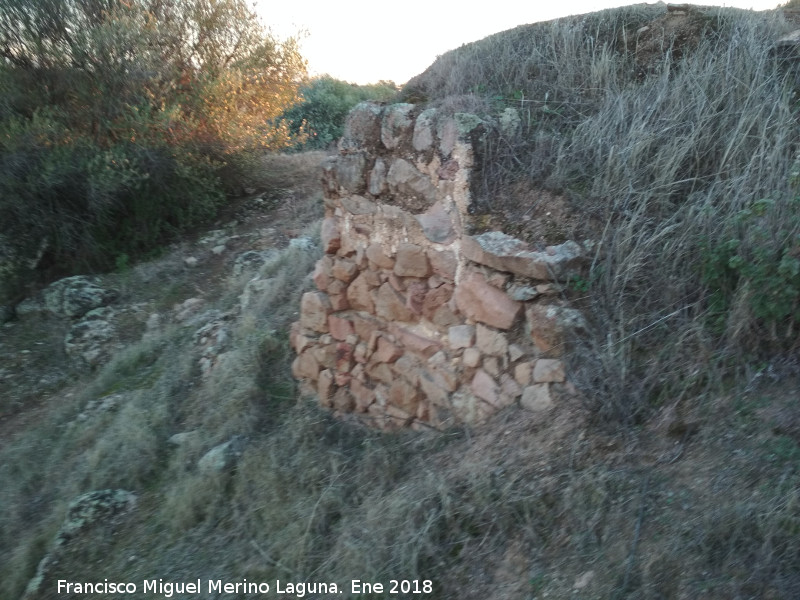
118	117
325	104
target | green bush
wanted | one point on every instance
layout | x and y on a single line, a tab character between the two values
753	271
318	119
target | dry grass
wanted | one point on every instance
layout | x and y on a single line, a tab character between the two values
666	139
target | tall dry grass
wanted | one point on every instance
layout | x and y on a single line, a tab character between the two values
672	152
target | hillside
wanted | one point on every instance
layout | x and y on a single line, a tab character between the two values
151	429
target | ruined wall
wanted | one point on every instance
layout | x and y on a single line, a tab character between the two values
415	322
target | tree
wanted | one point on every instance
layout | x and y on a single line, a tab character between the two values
118	117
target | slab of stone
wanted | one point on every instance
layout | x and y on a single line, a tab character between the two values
461	336
396	125
376	180
437	224
386	351
548	370
377	255
491	342
344	270
433	392
486	388
404	396
358	205
443	262
420	344
362	128
326	387
411	261
505	253
523	373
359	296
305	366
422	138
314	310
390	305
350	172
472	357
485	303
537	397
339	327
406	180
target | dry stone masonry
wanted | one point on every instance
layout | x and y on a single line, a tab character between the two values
414	321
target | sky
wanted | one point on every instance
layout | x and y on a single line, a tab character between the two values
364	41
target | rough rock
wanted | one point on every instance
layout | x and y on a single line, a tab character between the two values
471	357
486	388
358	295
485	303
443	263
376	254
437	224
505	253
222	457
330	235
461	336
422	138
362	127
491	342
376	180
536	397
548	325
411	261
358	205
548	370
350	172
396	124
314	310
406	180
90	340
71	297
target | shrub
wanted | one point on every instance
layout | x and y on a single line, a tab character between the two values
318	119
118	119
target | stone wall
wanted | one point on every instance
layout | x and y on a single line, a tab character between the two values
414	321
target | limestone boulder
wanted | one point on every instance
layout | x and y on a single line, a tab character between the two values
506	253
71	297
91	340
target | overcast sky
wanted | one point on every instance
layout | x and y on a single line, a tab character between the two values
364	41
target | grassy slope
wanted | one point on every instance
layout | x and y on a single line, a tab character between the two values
677	476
